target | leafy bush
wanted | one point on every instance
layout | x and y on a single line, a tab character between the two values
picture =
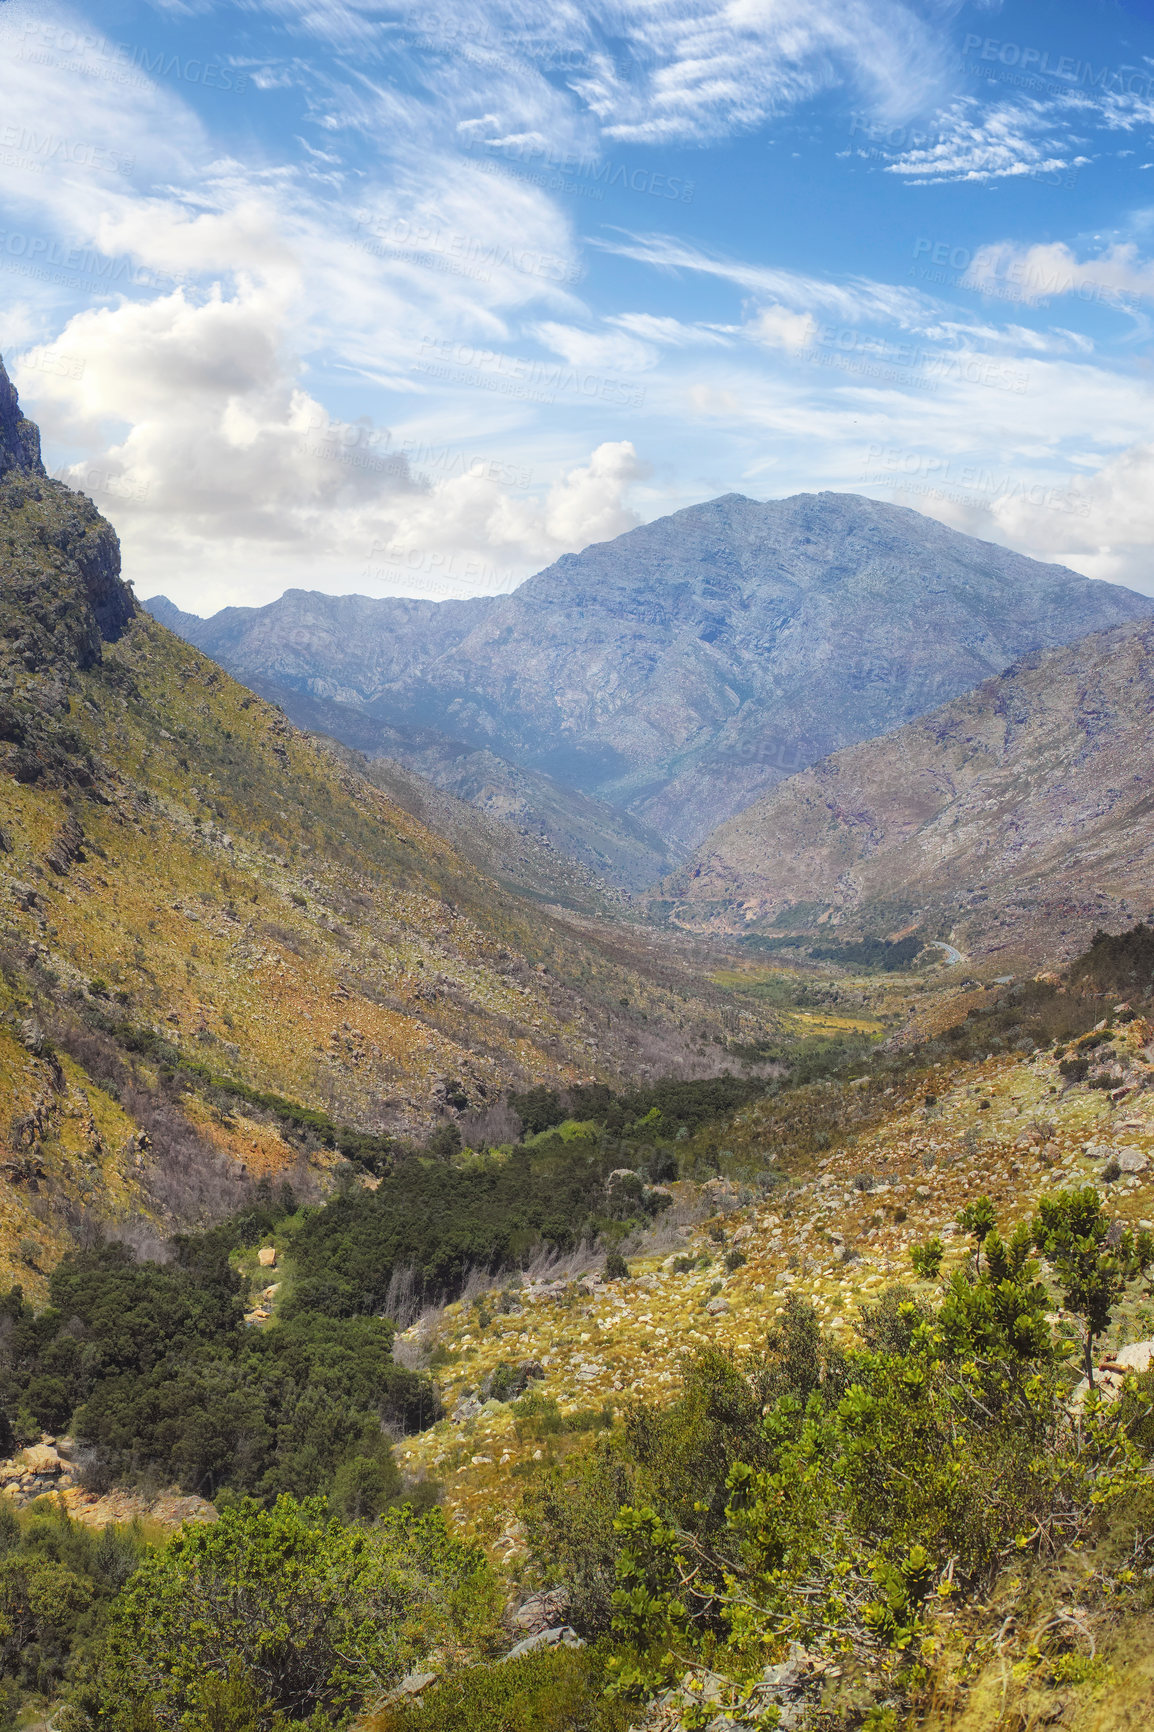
305	1615
555	1690
833	1499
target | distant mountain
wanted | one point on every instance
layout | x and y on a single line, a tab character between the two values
1016	818
680	671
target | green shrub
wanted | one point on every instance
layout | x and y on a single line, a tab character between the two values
555	1690
313	1615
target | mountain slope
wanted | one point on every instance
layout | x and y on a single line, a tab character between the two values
1019	816
588	831
689	665
203	913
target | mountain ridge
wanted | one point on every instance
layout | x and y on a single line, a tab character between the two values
678	672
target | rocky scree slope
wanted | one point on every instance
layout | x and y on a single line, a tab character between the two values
1016	818
197	901
684	668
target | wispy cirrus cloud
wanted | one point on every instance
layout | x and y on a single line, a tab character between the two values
856	300
666	71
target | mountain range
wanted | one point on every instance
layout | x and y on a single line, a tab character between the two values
634	696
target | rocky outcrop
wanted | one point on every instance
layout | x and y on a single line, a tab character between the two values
63	595
19	437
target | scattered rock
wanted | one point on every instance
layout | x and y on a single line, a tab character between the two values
543	1611
565	1637
411	1685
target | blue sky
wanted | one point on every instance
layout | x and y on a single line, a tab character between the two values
413	299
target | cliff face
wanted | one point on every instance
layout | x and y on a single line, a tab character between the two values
679	672
19	437
61	594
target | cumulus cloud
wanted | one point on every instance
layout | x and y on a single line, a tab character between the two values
778	328
1117	276
225	476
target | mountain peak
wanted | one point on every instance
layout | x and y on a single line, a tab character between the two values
19	437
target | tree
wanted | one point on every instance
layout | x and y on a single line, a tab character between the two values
1092	1262
364	1485
978	1219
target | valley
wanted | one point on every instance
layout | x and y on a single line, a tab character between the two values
458	1274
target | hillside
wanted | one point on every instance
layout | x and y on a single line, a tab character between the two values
675	673
1015	819
214	927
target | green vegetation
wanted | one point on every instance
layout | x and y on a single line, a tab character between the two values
554	1690
153	1366
888	954
856	1502
299	1617
58	1582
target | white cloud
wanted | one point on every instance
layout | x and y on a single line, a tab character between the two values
854	301
1009	140
224	477
667	332
650	71
1115	277
777	328
612	351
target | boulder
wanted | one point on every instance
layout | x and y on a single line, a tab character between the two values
565	1637
411	1685
266	1256
1112	1371
717	1307
542	1611
1131	1159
